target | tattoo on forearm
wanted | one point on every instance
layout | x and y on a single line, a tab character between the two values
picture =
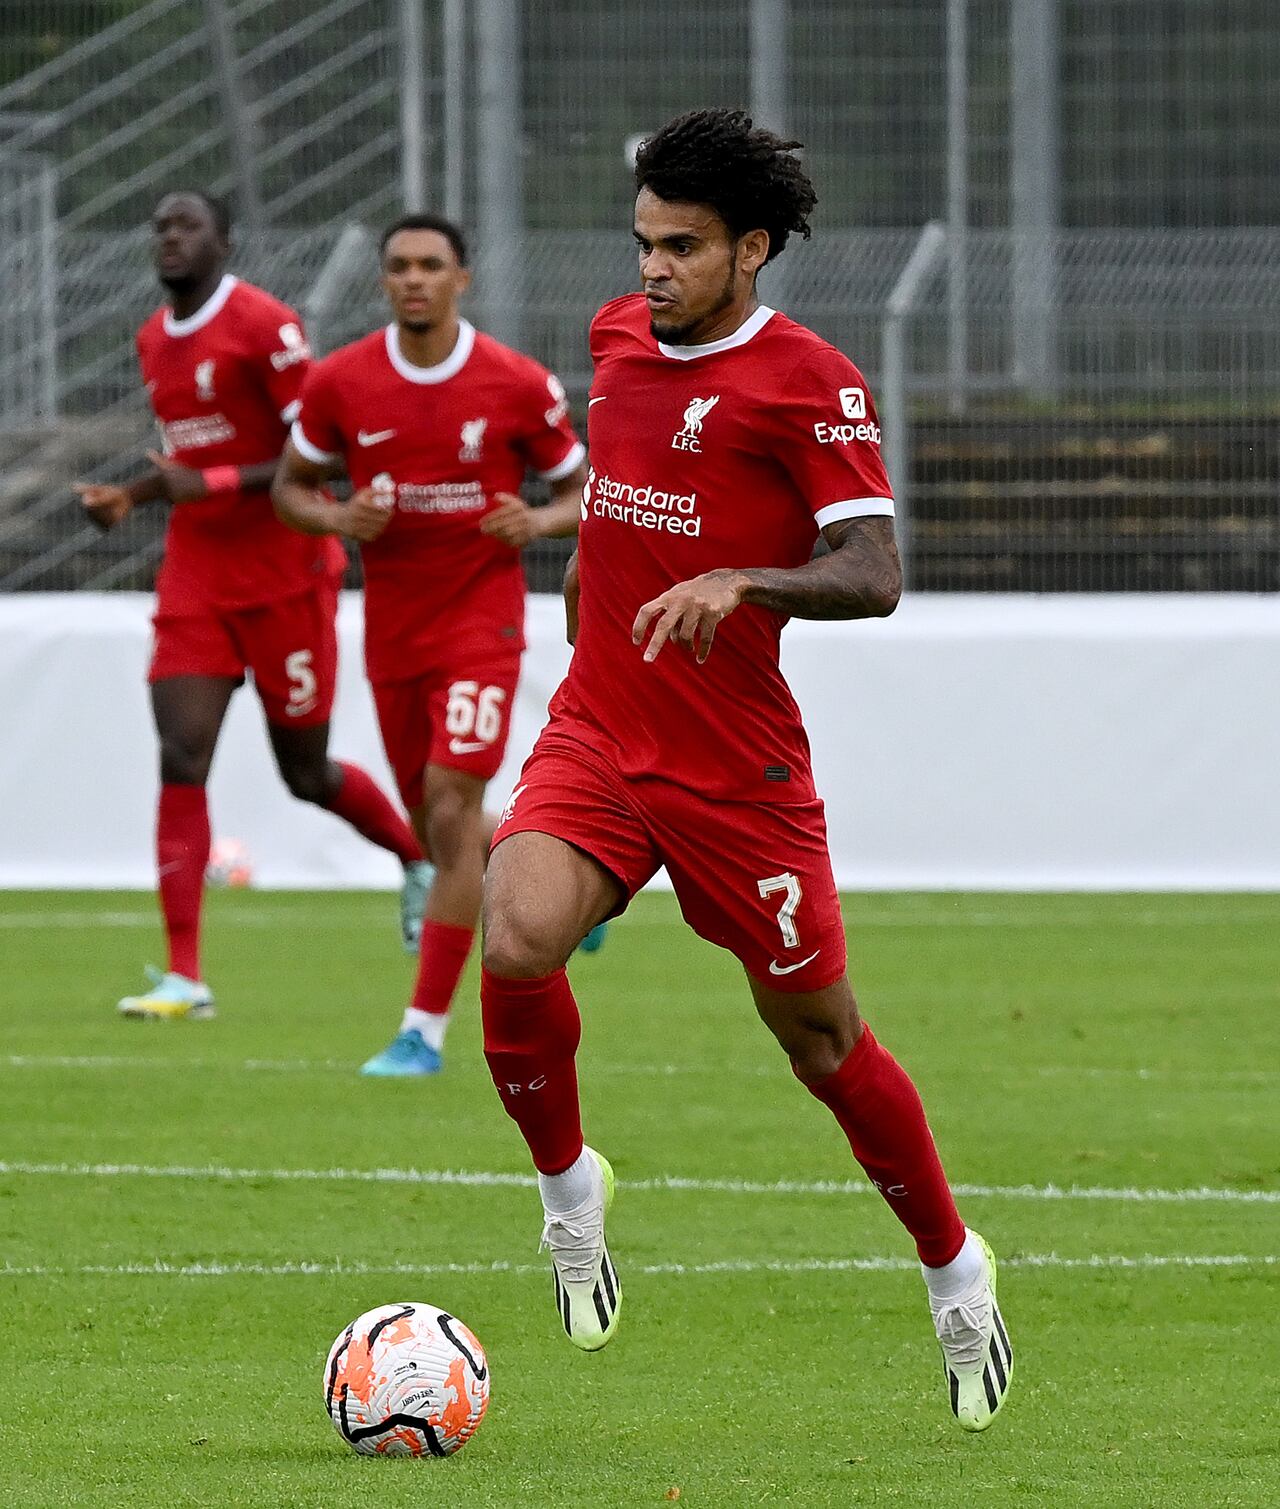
861	577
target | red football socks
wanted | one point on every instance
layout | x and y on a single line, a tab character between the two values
442	956
880	1113
362	803
531	1033
182	853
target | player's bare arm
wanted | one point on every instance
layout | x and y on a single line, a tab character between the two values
572	594
515	523
108	504
299	502
861	577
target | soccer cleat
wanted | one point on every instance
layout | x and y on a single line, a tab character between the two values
171	997
407	1054
594	940
588	1295
419	877
977	1359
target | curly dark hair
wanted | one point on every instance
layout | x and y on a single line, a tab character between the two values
746	174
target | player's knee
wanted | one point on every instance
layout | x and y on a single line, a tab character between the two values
516	948
453	826
307	782
817	1042
184	762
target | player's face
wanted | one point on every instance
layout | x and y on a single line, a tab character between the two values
186	245
696	277
422	279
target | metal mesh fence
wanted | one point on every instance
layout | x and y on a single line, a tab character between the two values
1072	404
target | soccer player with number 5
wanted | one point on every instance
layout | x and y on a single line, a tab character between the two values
436	425
237	593
724	438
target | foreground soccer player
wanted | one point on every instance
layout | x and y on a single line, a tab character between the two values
436	425
722	435
237	592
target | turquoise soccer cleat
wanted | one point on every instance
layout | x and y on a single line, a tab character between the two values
594	940
419	877
976	1356
588	1294
171	998
408	1054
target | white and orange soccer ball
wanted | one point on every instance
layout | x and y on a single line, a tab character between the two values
406	1381
229	864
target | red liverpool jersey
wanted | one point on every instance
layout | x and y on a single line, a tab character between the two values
224	385
447	439
733	453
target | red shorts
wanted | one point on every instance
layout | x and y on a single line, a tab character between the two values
290	646
752	878
458	717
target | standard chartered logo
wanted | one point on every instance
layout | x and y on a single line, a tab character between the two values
643	507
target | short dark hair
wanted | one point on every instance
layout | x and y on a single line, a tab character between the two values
423	222
746	174
219	209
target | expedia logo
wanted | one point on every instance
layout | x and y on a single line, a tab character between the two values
642	507
846	434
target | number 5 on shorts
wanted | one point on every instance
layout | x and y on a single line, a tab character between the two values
790	884
302	683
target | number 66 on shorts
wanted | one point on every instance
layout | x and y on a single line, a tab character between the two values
457	717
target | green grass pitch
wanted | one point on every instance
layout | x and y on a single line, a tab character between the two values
1078	1055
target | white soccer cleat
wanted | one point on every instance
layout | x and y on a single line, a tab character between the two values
588	1295
171	998
976	1356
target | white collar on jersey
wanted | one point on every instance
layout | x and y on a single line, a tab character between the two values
740	337
210	309
442	371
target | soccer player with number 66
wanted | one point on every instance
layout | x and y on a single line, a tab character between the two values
436	424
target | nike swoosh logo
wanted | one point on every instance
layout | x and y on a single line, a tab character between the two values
460	747
591	402
789	969
365	438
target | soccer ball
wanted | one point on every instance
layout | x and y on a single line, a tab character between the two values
229	864
406	1381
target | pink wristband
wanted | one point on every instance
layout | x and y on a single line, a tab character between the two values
221	479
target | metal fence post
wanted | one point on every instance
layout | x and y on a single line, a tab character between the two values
957	200
48	316
353	247
413	106
895	418
500	186
240	124
767	65
455	87
1034	190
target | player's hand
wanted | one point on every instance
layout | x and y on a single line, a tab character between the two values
180	484
104	502
513	522
689	613
365	514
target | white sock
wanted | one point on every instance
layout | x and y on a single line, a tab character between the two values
562	1194
428	1025
960	1274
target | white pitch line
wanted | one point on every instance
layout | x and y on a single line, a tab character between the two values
602	1070
216	1173
161	1269
264	915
